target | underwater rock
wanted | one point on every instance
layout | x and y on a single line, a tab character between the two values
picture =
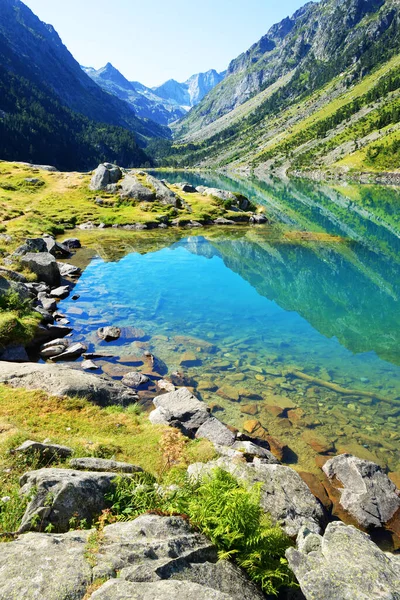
249	409
189	359
318	442
229	393
134	379
109	333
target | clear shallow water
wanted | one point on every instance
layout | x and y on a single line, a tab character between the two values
241	312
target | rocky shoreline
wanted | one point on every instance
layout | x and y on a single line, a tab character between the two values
331	560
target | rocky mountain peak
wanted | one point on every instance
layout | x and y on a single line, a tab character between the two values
110	73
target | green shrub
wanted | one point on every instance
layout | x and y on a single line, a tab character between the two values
226	511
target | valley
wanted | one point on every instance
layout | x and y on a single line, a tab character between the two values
199	301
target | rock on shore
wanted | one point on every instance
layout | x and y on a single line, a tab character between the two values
149	558
64	381
344	564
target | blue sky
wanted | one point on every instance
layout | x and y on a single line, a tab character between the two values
154	40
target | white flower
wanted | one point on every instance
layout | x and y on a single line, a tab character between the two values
5	499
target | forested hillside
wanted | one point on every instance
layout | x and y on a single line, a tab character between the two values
319	90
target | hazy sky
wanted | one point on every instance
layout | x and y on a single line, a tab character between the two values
154	40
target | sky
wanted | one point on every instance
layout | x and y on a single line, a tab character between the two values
154	40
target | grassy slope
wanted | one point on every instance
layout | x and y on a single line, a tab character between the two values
87	429
281	140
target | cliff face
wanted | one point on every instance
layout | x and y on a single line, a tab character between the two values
320	37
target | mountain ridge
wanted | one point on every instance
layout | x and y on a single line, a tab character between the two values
301	67
165	103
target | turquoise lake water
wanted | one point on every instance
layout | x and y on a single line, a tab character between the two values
241	313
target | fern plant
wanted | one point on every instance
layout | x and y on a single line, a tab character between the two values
223	509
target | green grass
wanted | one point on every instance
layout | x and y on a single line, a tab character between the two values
18	322
63	200
89	430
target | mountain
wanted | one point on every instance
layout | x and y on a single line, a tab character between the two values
319	89
164	104
143	100
192	91
46	97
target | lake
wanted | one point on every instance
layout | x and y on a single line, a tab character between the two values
294	337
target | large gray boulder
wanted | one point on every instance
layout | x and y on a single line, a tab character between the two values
47	452
284	494
344	564
39	566
181	407
367	493
150	558
105	177
31	245
156	557
132	188
163	193
215	431
7	286
64	381
44	265
60	495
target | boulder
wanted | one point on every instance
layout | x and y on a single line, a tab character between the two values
163	193
223	221
284	494
344	564
71	243
68	270
132	188
31	245
183	407
46	451
55	248
15	354
165	386
50	567
158	557
71	353
7	286
103	464
60	292
134	379
105	177
44	265
108	334
13	275
63	381
186	187
150	558
220	194
48	304
89	365
251	450
59	495
216	432
258	219
366	492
